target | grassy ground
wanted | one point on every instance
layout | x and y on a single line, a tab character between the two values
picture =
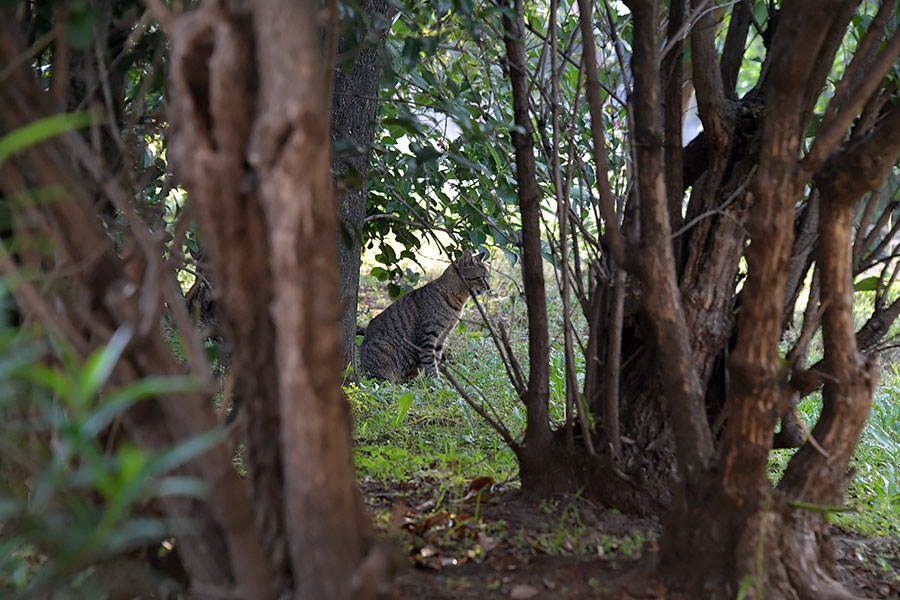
422	444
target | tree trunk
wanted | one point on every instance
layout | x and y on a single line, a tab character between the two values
353	120
539	471
254	155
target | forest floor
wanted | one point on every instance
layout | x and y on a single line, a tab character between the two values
495	543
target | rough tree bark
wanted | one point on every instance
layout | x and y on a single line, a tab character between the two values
252	145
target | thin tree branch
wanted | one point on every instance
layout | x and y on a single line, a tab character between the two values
613	234
496	425
859	82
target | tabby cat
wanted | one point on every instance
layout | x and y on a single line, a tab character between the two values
409	334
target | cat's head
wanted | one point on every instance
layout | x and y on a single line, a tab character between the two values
473	271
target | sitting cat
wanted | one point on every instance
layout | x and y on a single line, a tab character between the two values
409	334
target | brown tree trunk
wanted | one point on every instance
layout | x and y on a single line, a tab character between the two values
353	119
290	152
254	152
536	461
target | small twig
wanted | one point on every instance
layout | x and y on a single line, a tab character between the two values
498	427
809	436
809	328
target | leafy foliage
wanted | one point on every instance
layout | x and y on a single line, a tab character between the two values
72	494
442	159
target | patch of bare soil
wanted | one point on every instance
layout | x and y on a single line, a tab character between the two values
492	542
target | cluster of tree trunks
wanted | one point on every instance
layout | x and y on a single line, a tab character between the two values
700	432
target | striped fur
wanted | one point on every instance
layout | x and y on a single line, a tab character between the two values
409	334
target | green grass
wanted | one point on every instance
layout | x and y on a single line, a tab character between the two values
424	428
875	486
439	435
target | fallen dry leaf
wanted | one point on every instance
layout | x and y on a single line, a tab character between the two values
523	592
478	483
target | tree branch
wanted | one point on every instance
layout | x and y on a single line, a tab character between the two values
733	54
860	80
613	234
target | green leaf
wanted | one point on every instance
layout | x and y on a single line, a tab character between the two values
380	273
426	155
403	405
100	364
44	129
131	463
394	291
814	123
80	31
869	284
406	124
118	401
48	378
185	451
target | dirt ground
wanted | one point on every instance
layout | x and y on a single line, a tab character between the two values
494	543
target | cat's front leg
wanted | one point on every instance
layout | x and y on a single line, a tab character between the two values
430	358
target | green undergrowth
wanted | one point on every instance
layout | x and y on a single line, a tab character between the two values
874	490
424	428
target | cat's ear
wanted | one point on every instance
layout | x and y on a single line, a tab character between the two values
480	256
466	256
